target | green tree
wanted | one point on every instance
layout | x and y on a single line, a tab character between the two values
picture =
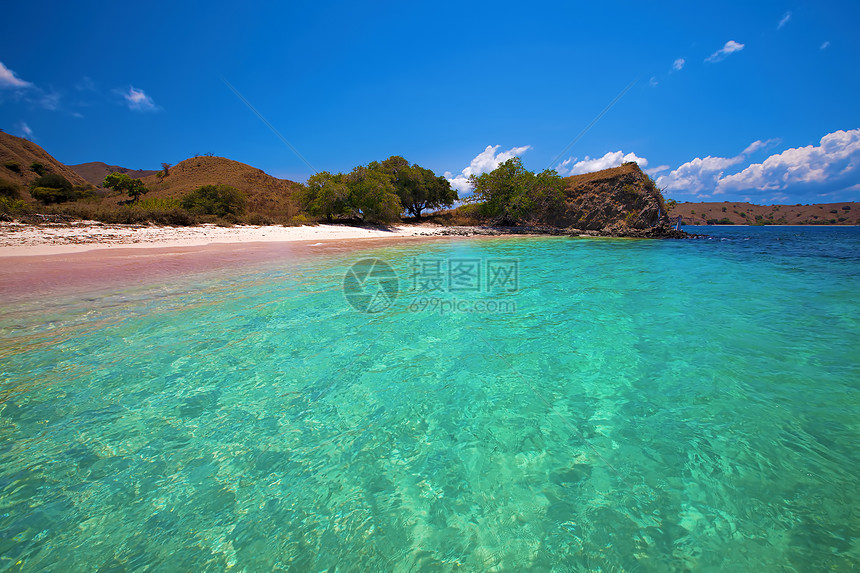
220	200
121	182
512	194
417	187
326	195
372	195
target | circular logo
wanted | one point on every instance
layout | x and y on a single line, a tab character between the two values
370	285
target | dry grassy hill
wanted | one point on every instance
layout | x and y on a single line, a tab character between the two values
96	171
16	156
266	195
741	213
622	197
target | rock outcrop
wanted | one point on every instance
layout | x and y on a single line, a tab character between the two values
622	201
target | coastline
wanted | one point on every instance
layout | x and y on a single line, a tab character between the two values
21	240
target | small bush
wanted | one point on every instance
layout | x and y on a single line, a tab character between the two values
13	166
50	195
219	200
52	188
38	168
12	206
846	207
8	189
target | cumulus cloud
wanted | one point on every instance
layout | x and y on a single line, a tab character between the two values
699	176
834	164
730	48
571	166
8	79
484	162
784	20
137	100
679	64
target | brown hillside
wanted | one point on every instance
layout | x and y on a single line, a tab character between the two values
616	198
96	171
16	150
741	213
266	194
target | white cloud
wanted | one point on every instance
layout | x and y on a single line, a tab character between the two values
679	64
484	162
655	170
8	79
757	145
730	48
785	18
137	100
25	131
589	165
698	176
653	81
834	164
824	45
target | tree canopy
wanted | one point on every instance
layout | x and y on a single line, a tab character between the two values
377	192
121	182
417	187
512	194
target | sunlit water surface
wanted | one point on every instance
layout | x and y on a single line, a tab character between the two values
634	406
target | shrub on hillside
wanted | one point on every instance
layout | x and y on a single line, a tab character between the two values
52	188
8	189
12	206
13	166
38	168
219	200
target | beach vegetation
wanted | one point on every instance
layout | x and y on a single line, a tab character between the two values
218	200
511	194
367	194
12	206
418	188
122	183
372	196
326	195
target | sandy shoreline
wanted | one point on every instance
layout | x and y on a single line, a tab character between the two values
17	240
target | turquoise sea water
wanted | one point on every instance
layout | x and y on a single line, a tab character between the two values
633	406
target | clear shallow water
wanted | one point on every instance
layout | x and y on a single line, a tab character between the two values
648	406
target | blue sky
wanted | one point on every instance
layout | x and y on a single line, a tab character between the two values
731	100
